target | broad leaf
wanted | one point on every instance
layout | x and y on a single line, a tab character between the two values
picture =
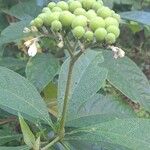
8	138
14	32
28	136
128	78
138	16
23	10
87	79
130	133
15	148
18	95
99	108
41	70
12	63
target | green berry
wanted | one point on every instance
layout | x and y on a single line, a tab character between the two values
63	5
113	29
96	23
32	23
80	11
78	32
100	34
66	18
56	25
110	38
74	5
104	12
56	9
111	21
51	5
38	22
96	6
50	17
79	21
87	4
46	9
90	14
100	1
89	36
42	16
116	16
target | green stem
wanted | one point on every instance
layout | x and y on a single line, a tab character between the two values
51	143
66	98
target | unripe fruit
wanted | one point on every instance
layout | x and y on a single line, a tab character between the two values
96	6
38	22
32	23
74	5
79	21
97	22
113	29
110	38
50	17
56	9
87	4
116	16
66	18
79	11
89	36
46	9
51	5
90	14
104	12
42	16
63	5
56	25
100	1
78	32
100	34
111	21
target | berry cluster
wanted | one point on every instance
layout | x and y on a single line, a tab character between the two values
86	19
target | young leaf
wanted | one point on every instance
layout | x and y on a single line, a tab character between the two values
125	75
37	144
41	70
28	136
18	95
130	133
87	79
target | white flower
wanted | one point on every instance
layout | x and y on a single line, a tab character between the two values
117	52
28	43
32	49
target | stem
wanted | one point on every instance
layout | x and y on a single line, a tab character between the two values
51	143
66	98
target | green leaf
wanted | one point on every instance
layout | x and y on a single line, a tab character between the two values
138	16
18	95
23	10
131	133
99	108
125	75
14	32
87	79
12	63
15	148
28	136
8	138
41	70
